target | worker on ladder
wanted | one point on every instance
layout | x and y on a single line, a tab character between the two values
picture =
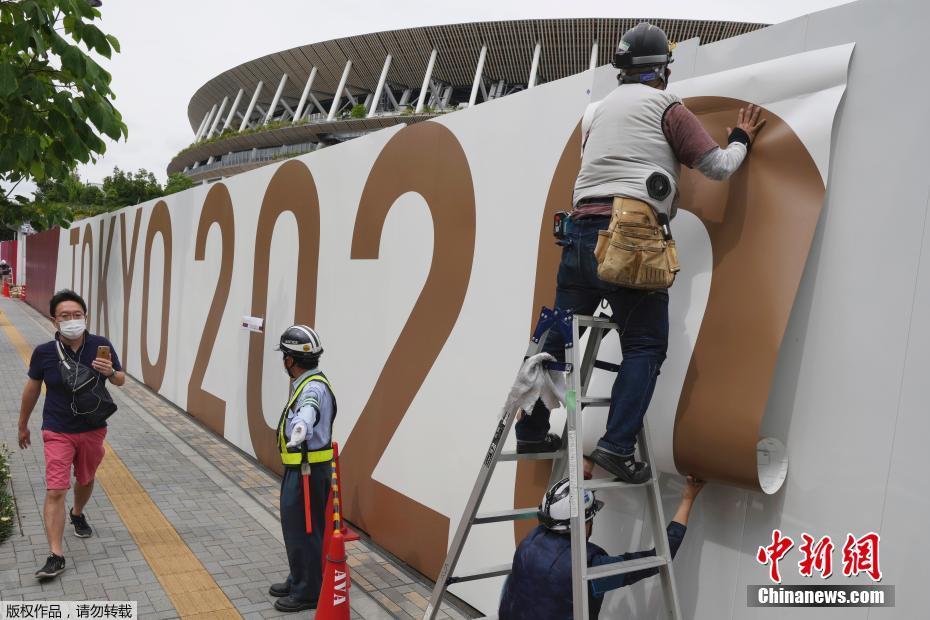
634	142
304	435
540	584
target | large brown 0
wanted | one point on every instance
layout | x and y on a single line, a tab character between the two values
159	223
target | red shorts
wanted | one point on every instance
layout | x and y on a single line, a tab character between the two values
62	450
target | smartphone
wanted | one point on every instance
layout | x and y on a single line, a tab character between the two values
103	351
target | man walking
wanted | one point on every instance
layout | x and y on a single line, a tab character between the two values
305	442
70	439
634	142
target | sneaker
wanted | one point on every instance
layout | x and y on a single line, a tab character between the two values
279	589
289	603
54	566
550	443
81	528
626	468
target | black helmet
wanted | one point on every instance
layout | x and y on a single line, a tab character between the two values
643	46
555	510
301	343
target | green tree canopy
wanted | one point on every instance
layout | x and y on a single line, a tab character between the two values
55	100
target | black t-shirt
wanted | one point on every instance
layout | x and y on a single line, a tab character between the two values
57	415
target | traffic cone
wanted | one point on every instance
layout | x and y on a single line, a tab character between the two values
6	287
334	597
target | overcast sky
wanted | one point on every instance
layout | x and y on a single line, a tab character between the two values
172	47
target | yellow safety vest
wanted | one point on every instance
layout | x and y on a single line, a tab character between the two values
295	457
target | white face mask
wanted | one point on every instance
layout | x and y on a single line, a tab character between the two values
72	329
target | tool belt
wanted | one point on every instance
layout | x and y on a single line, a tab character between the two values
634	251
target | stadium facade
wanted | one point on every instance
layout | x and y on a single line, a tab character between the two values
302	99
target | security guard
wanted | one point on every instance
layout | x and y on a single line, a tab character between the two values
305	442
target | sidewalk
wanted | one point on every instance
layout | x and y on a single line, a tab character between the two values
185	524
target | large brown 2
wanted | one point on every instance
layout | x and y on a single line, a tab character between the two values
159	223
425	158
292	189
217	209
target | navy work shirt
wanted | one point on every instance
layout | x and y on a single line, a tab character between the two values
56	414
540	586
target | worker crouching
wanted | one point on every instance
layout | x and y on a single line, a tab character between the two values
304	439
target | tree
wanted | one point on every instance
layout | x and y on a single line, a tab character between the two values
55	100
122	188
177	182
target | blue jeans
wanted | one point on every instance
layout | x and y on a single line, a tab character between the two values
642	317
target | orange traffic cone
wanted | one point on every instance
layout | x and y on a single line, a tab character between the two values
6	287
334	597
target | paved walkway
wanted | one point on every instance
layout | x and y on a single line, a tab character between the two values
185	524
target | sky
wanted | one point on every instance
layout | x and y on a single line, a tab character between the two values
172	47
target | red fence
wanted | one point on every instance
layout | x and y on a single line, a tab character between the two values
41	268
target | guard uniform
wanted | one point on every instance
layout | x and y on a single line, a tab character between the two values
313	402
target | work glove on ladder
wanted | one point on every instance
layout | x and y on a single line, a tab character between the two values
533	382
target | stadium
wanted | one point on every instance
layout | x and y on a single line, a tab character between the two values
298	100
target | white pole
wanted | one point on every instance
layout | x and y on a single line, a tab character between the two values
219	115
478	73
593	63
303	96
248	110
424	90
202	124
232	110
381	81
277	97
342	85
210	119
534	68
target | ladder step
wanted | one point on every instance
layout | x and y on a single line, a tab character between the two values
481	573
596	322
622	568
606	366
518	514
610	483
533	456
597	402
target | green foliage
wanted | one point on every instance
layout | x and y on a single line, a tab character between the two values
58	202
7	503
55	100
358	111
178	182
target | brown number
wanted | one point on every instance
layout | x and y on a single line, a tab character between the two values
128	269
428	159
217	209
533	476
159	223
292	189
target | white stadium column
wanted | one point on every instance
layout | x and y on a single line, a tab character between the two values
479	71
219	115
203	134
202	124
424	89
593	63
232	110
303	97
338	96
534	67
377	97
248	110
274	101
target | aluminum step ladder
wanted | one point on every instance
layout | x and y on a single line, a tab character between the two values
568	458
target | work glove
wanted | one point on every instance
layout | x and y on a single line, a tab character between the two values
298	435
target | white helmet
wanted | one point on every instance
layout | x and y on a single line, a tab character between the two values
555	510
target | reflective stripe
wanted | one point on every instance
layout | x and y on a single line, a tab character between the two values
292	457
